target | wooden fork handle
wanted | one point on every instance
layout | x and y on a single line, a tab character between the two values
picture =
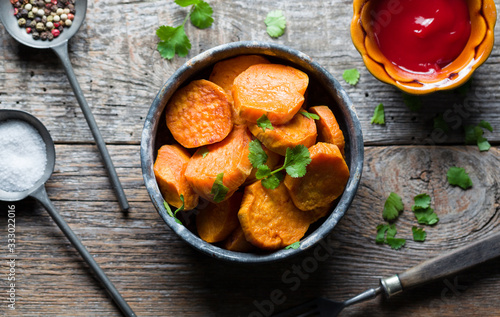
452	262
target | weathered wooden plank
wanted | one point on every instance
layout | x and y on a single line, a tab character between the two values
120	71
158	274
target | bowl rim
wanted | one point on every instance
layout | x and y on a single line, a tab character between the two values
210	57
384	70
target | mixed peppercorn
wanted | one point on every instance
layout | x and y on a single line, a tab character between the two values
44	19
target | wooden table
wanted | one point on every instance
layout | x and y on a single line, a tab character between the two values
116	62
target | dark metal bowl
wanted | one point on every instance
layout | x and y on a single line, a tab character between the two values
323	90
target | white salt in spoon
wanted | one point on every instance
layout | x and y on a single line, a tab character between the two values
14	192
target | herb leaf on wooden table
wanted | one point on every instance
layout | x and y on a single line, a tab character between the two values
173	40
378	115
458	176
351	76
276	23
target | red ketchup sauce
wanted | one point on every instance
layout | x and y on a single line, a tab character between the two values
421	36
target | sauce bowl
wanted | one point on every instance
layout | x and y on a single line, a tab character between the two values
476	51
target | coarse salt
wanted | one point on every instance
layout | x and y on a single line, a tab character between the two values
22	156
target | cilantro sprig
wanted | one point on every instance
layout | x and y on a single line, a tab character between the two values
219	190
174	214
458	176
475	134
378	115
294	246
264	123
351	76
423	212
173	40
393	206
275	23
390	239
309	115
419	234
296	160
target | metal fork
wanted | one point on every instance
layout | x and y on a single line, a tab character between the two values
428	271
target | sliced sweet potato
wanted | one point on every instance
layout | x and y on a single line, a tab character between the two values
274	90
199	114
216	222
273	159
237	241
224	73
230	156
299	130
325	179
269	218
328	128
320	212
169	169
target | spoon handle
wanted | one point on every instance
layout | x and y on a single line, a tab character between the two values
41	195
61	51
453	262
439	267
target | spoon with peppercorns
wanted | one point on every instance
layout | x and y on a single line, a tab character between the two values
49	24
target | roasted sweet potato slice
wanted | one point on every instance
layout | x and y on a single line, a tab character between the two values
199	114
224	73
299	130
328	128
237	241
269	218
325	179
216	222
274	90
169	169
230	156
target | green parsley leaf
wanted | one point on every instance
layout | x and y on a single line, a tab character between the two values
296	160
419	234
276	23
426	216
173	41
294	246
351	76
472	134
440	123
174	214
483	144
457	176
257	155
186	3
204	151
391	231
396	244
422	201
201	16
414	103
309	115
264	123
218	189
273	181
381	230
392	207
378	115
263	171
486	125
